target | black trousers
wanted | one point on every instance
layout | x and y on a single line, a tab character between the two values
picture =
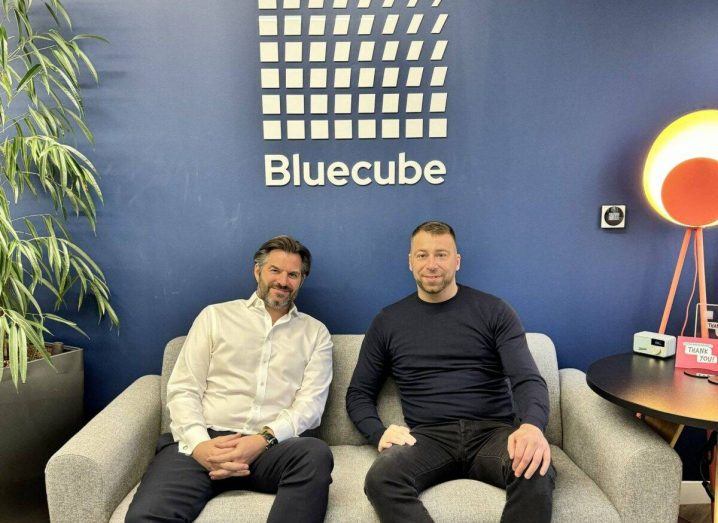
460	449
175	487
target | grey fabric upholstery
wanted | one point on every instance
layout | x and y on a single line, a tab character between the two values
92	472
610	467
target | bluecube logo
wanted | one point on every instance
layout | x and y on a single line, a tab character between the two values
333	70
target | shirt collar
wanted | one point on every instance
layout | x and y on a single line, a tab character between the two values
255	302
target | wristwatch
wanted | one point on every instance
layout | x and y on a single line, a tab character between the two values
269	438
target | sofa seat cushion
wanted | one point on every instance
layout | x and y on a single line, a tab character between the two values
576	498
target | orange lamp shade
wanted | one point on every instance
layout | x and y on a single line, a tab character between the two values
680	177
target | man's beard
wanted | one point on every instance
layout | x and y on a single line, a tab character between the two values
439	286
263	293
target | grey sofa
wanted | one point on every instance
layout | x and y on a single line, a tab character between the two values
610	466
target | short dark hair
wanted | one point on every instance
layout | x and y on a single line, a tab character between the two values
288	245
434	228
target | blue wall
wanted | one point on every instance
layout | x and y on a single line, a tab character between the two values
552	106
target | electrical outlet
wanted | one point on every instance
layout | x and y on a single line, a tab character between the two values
613	216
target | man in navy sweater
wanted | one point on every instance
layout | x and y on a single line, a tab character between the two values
450	349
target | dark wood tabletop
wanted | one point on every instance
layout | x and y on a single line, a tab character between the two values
655	387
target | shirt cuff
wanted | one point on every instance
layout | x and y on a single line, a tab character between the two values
375	437
535	422
191	438
282	429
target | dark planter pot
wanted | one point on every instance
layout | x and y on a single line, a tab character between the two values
40	416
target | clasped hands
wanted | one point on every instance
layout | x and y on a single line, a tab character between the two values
229	456
527	447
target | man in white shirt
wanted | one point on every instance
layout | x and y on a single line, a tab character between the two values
252	376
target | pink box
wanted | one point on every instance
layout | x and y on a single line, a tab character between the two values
697	353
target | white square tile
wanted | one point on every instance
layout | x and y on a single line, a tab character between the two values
342	129
363	4
439	25
414	24
316	25
437	128
367	103
390	50
268	26
438	103
341	51
341	24
414	78
290	4
390	103
390	24
317	51
339	4
293	51
414	50
272	129
315	4
267	4
295	104
391	77
366	77
295	130
366	51
319	103
414	101
414	128
412	3
366	128
387	3
438	76
318	78
320	129
342	77
271	104
268	52
342	103
294	78
270	78
439	50
365	24
292	25
390	128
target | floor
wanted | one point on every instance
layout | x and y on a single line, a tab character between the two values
25	503
694	514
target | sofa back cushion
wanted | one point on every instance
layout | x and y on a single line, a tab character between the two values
337	428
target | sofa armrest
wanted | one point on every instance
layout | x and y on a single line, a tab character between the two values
636	469
88	477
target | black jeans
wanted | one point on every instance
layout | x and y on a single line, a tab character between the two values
175	487
460	449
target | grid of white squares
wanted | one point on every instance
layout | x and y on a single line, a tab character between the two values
346	129
295	75
343	51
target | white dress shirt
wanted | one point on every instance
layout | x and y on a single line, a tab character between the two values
238	372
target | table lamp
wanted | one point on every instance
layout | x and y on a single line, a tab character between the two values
680	180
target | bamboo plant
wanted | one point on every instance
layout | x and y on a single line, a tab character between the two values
41	110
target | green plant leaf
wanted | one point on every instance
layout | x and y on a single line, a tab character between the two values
28	76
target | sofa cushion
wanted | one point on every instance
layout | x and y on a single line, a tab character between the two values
576	498
337	428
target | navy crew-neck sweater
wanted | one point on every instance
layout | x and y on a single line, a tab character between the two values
450	361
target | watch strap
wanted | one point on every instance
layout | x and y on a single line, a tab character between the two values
269	438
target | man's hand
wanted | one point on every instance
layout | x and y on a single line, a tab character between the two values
235	460
529	449
204	450
395	435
